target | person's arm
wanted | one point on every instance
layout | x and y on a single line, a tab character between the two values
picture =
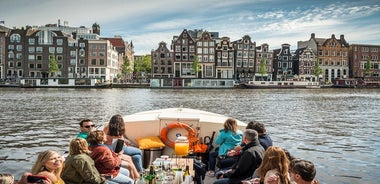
220	139
242	166
111	159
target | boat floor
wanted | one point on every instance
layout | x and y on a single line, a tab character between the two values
209	179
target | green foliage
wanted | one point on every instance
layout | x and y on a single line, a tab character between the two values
317	69
143	66
126	67
53	65
195	66
368	67
263	67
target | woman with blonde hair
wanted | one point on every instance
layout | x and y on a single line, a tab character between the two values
49	164
274	168
228	138
6	178
79	166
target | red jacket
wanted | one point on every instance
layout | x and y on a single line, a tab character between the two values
106	161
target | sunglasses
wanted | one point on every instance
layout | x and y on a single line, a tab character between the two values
88	126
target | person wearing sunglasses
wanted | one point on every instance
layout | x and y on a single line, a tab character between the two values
86	126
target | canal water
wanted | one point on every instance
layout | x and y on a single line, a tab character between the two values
337	129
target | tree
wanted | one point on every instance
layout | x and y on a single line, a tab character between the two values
263	67
195	66
144	65
53	65
368	67
317	70
126	68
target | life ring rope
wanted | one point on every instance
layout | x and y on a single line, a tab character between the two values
165	131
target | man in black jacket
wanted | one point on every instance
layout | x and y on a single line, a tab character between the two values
249	160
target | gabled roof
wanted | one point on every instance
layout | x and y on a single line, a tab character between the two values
116	42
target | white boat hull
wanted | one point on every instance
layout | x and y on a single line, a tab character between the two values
150	123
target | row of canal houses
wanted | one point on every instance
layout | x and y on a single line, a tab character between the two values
80	53
240	60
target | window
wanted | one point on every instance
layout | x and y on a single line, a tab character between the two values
93	61
39	49
19	47
59	58
59	50
31	41
39	58
208	71
31	57
59	42
101	62
102	54
31	49
51	50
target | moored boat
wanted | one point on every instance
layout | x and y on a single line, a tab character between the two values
281	84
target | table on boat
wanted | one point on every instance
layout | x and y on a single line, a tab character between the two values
178	164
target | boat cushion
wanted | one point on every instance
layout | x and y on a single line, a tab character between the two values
150	142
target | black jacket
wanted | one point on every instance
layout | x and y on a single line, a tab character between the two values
249	160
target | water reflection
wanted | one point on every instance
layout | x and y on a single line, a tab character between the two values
337	129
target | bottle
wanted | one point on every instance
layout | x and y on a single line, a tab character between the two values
142	179
186	172
152	175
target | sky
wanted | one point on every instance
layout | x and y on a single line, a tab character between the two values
148	22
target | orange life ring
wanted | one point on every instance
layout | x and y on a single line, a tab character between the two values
165	130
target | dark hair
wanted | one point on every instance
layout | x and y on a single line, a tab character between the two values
85	120
255	125
96	137
116	126
304	168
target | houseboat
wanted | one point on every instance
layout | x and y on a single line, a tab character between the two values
280	84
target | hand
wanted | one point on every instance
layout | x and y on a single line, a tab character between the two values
231	153
273	179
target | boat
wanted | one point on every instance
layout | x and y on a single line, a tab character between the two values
355	83
281	84
153	123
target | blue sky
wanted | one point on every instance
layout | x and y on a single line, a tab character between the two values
148	22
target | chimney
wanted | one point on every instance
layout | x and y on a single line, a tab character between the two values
74	35
312	35
342	37
333	36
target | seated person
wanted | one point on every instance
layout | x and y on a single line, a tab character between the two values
107	162
302	172
79	166
86	126
249	160
228	138
49	164
116	130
